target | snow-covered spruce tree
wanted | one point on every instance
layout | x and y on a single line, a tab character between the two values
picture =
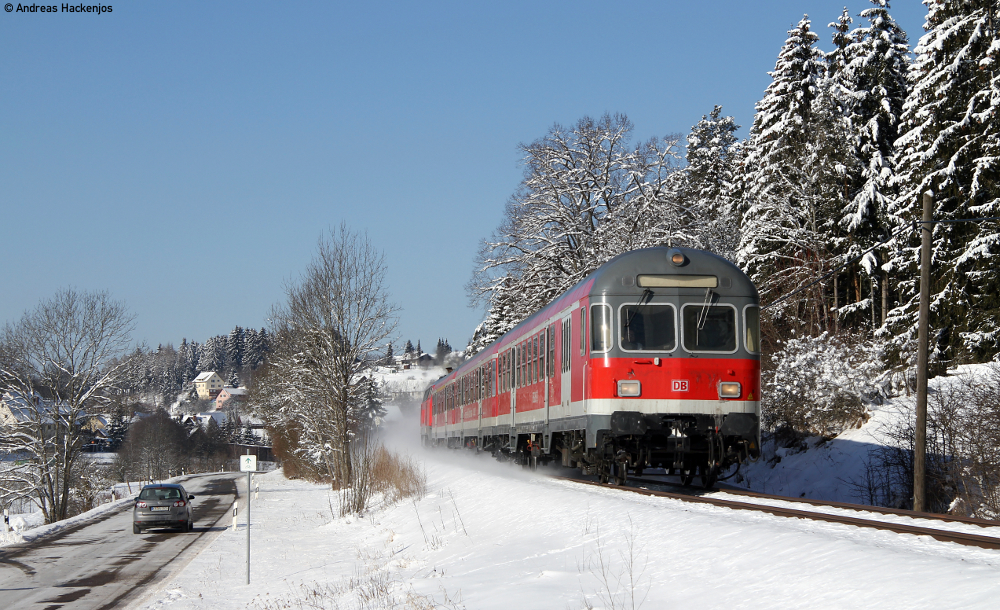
212	355
235	347
789	225
709	187
950	145
186	361
586	196
59	362
876	81
367	410
253	352
336	316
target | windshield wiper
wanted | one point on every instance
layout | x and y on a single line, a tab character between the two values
703	316
645	293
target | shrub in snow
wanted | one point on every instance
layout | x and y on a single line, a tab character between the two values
378	477
821	384
963	447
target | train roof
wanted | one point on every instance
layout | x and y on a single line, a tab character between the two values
618	276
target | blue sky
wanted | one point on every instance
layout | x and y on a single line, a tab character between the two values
186	156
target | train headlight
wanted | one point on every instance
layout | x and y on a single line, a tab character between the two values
629	388
730	389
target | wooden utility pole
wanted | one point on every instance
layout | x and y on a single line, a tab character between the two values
920	435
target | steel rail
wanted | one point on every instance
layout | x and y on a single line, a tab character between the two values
976	540
845	505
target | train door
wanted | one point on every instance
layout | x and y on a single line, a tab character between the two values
543	370
566	364
514	382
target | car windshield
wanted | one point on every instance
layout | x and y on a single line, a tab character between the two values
169	493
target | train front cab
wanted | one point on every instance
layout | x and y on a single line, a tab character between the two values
673	378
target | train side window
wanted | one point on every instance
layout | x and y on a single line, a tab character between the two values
567	339
534	359
528	379
517	365
510	369
537	364
751	321
520	365
600	331
532	364
528	361
552	351
514	381
505	371
539	351
583	331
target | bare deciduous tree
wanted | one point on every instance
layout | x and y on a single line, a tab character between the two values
587	195
59	361
338	314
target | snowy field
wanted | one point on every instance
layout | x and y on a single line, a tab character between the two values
490	535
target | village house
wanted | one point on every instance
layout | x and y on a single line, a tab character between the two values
16	409
237	395
208	385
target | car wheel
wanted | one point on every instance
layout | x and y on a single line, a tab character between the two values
135	529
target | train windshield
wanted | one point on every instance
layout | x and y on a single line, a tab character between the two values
648	328
709	328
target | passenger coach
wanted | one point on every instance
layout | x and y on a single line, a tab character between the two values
651	361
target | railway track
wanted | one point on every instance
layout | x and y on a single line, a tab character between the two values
775	505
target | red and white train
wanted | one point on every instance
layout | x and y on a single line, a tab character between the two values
653	360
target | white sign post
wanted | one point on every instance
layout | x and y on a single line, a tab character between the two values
248	464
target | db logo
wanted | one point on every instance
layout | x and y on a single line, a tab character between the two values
680	385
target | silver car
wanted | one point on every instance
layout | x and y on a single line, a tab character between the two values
162	505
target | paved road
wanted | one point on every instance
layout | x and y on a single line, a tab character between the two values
101	564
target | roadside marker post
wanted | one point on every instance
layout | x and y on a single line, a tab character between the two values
248	464
6	521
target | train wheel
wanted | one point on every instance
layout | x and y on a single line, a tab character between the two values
621	473
709	475
687	475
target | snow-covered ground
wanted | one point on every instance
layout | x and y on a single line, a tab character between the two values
834	470
490	535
